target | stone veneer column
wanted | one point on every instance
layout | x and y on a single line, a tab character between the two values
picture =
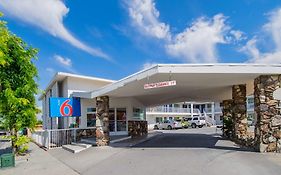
239	112
102	121
267	130
227	117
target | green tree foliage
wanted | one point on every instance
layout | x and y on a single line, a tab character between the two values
17	84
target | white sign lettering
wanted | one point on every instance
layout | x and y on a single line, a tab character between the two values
160	84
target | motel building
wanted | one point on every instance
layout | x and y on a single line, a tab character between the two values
102	108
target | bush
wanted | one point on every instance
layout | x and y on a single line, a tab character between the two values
21	143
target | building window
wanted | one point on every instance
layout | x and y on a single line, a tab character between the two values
159	120
111	120
121	119
138	114
91	117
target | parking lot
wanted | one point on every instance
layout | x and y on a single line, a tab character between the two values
182	151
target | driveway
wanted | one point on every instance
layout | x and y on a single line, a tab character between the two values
189	151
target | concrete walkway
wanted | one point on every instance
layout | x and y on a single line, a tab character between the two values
188	151
38	162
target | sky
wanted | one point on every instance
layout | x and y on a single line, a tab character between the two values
113	39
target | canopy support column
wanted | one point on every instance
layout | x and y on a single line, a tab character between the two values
239	112
227	106
268	125
102	121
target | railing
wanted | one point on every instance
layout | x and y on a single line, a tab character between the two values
208	119
172	110
168	109
209	110
57	137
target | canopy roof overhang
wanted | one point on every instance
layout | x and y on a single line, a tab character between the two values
194	82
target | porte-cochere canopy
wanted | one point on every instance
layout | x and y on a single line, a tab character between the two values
194	82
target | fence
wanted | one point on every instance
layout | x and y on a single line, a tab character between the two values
57	137
171	110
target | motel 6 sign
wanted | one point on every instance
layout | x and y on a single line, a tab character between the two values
65	107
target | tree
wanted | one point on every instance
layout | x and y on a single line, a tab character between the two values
17	85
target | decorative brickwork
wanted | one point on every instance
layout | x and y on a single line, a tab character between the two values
267	131
102	122
137	128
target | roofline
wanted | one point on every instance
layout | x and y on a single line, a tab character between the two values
155	69
65	74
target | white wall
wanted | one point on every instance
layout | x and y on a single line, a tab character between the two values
83	85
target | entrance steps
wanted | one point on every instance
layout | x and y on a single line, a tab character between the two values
76	147
90	141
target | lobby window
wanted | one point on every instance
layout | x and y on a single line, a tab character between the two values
111	120
121	119
91	117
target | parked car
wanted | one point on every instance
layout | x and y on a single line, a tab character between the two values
168	124
184	123
197	121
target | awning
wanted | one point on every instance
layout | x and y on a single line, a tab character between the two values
194	82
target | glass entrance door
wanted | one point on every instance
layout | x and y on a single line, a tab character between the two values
121	119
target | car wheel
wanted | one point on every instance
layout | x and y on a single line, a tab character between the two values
169	127
193	125
200	126
156	127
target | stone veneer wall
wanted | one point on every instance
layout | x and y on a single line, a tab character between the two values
102	122
228	128
85	133
239	112
267	131
137	128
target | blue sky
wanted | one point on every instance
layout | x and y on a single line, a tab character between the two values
113	39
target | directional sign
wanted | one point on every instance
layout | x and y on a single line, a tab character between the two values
65	107
160	84
277	94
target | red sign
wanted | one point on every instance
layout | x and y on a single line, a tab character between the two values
160	84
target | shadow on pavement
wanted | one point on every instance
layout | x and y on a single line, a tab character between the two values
189	140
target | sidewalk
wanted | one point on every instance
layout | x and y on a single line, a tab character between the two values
129	142
38	162
59	161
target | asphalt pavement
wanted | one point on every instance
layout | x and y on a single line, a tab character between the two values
186	151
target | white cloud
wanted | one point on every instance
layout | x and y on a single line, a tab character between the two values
145	17
65	62
273	29
148	65
47	15
50	70
251	48
238	35
197	43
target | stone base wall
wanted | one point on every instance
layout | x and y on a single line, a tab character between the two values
85	133
137	128
268	126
